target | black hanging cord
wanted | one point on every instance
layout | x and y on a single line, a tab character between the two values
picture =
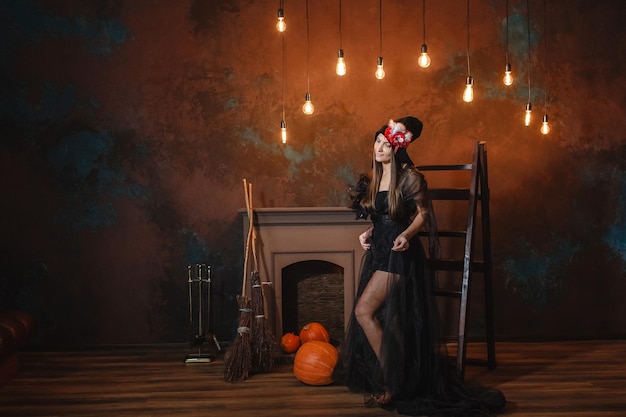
340	43
307	46
528	23
380	25
469	73
545	40
283	47
507	31
424	20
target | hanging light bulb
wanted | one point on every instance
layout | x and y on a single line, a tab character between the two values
468	94
529	109
281	26
380	72
283	126
283	131
545	127
508	78
424	60
529	106
340	69
307	107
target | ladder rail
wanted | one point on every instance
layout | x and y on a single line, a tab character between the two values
478	192
487	261
468	258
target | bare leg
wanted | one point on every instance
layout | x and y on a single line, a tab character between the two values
371	300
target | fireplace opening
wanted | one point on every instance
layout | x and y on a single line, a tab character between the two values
313	291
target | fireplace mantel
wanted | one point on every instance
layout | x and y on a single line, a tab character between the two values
294	234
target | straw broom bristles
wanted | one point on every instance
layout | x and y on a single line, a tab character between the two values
238	357
264	345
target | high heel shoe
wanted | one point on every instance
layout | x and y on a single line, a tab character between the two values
383	400
369	400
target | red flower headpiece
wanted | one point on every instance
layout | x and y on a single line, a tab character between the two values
397	135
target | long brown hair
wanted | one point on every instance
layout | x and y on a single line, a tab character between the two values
395	193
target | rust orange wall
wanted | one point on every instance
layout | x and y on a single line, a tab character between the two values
127	128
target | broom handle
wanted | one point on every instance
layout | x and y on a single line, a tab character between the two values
254	256
244	284
253	243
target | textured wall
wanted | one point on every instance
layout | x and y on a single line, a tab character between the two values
127	127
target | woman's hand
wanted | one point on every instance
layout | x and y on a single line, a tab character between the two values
401	243
364	239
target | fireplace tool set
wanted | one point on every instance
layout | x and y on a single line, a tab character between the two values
199	286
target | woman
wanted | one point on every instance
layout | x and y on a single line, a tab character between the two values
392	351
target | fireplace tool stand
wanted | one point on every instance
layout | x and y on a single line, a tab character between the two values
199	315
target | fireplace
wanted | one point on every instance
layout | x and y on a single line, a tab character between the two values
313	291
294	235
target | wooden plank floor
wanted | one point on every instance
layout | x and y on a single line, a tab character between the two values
556	379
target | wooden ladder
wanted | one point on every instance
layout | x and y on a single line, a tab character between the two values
478	191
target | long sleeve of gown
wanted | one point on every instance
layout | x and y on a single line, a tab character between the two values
416	197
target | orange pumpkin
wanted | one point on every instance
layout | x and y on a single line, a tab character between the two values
315	362
290	342
314	331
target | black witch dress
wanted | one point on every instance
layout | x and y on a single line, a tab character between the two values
414	366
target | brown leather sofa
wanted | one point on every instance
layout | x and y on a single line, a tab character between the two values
16	329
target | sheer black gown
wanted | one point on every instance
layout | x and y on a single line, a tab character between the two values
415	368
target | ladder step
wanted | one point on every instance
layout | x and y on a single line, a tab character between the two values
457	167
455	265
447	293
446	233
449	193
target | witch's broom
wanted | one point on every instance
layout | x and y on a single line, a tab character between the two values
238	357
264	345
